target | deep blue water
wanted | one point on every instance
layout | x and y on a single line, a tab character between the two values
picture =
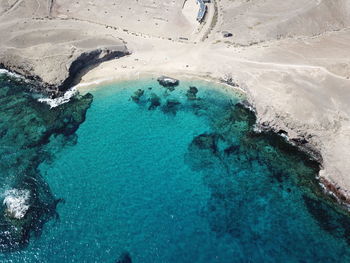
184	181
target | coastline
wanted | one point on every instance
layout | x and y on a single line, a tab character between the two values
84	86
330	189
297	83
108	132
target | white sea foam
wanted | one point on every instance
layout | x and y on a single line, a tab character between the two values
60	100
285	136
16	202
249	107
257	128
51	102
4	71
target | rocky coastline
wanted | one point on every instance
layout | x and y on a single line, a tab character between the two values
302	142
76	66
297	83
88	60
330	188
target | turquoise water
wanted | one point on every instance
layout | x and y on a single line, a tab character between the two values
26	127
166	176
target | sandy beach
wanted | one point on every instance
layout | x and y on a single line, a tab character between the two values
291	59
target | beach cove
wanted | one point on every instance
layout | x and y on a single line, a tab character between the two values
181	174
294	66
249	155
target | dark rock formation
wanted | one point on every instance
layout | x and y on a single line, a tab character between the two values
206	141
27	127
192	93
226	34
227	79
155	101
233	149
87	60
171	106
168	82
137	95
49	76
124	258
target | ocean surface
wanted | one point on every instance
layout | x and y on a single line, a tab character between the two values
143	173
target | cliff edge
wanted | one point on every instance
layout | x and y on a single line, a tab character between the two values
53	51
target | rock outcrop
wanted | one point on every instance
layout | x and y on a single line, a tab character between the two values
67	64
55	52
168	82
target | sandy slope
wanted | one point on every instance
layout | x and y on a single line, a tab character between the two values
291	57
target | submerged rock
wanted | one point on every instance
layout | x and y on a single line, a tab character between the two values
233	149
137	95
155	101
27	127
168	82
124	258
206	141
171	106
192	93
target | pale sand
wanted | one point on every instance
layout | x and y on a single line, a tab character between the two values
291	58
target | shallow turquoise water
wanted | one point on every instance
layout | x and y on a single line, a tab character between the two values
181	182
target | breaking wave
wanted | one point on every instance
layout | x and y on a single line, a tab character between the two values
16	202
53	103
11	74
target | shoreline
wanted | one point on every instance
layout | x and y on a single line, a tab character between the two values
296	77
219	165
92	85
330	189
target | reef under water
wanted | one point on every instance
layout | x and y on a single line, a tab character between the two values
158	175
26	128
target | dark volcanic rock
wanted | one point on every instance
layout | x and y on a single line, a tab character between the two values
53	75
226	34
124	258
171	106
27	127
168	82
137	95
155	101
192	93
206	141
